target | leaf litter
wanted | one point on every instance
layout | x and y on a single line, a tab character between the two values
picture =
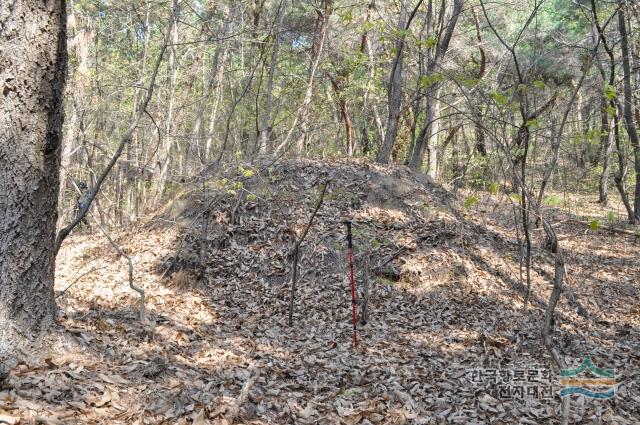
445	299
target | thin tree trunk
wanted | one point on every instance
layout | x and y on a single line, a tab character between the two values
394	92
216	104
343	105
615	107
301	120
630	124
196	132
266	116
622	170
423	139
367	105
169	137
124	141
442	46
82	39
65	160
377	119
303	140
481	144
432	146
606	143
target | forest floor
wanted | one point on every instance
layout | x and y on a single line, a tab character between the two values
445	311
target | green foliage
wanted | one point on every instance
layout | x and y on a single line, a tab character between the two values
594	225
120	62
516	197
375	243
367	26
612	217
552	200
245	172
476	171
499	98
470	201
427	81
493	188
517	151
610	92
467	80
593	136
533	124
347	16
431	42
401	33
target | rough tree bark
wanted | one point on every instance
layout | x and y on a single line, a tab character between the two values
33	66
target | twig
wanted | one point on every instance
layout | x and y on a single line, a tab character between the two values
76	281
364	311
296	250
131	285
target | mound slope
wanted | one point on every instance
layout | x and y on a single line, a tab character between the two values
445	300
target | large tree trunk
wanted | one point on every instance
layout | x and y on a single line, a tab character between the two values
32	71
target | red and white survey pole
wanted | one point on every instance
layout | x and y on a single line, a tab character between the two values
352	280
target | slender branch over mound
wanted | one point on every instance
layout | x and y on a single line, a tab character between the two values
296	250
126	138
